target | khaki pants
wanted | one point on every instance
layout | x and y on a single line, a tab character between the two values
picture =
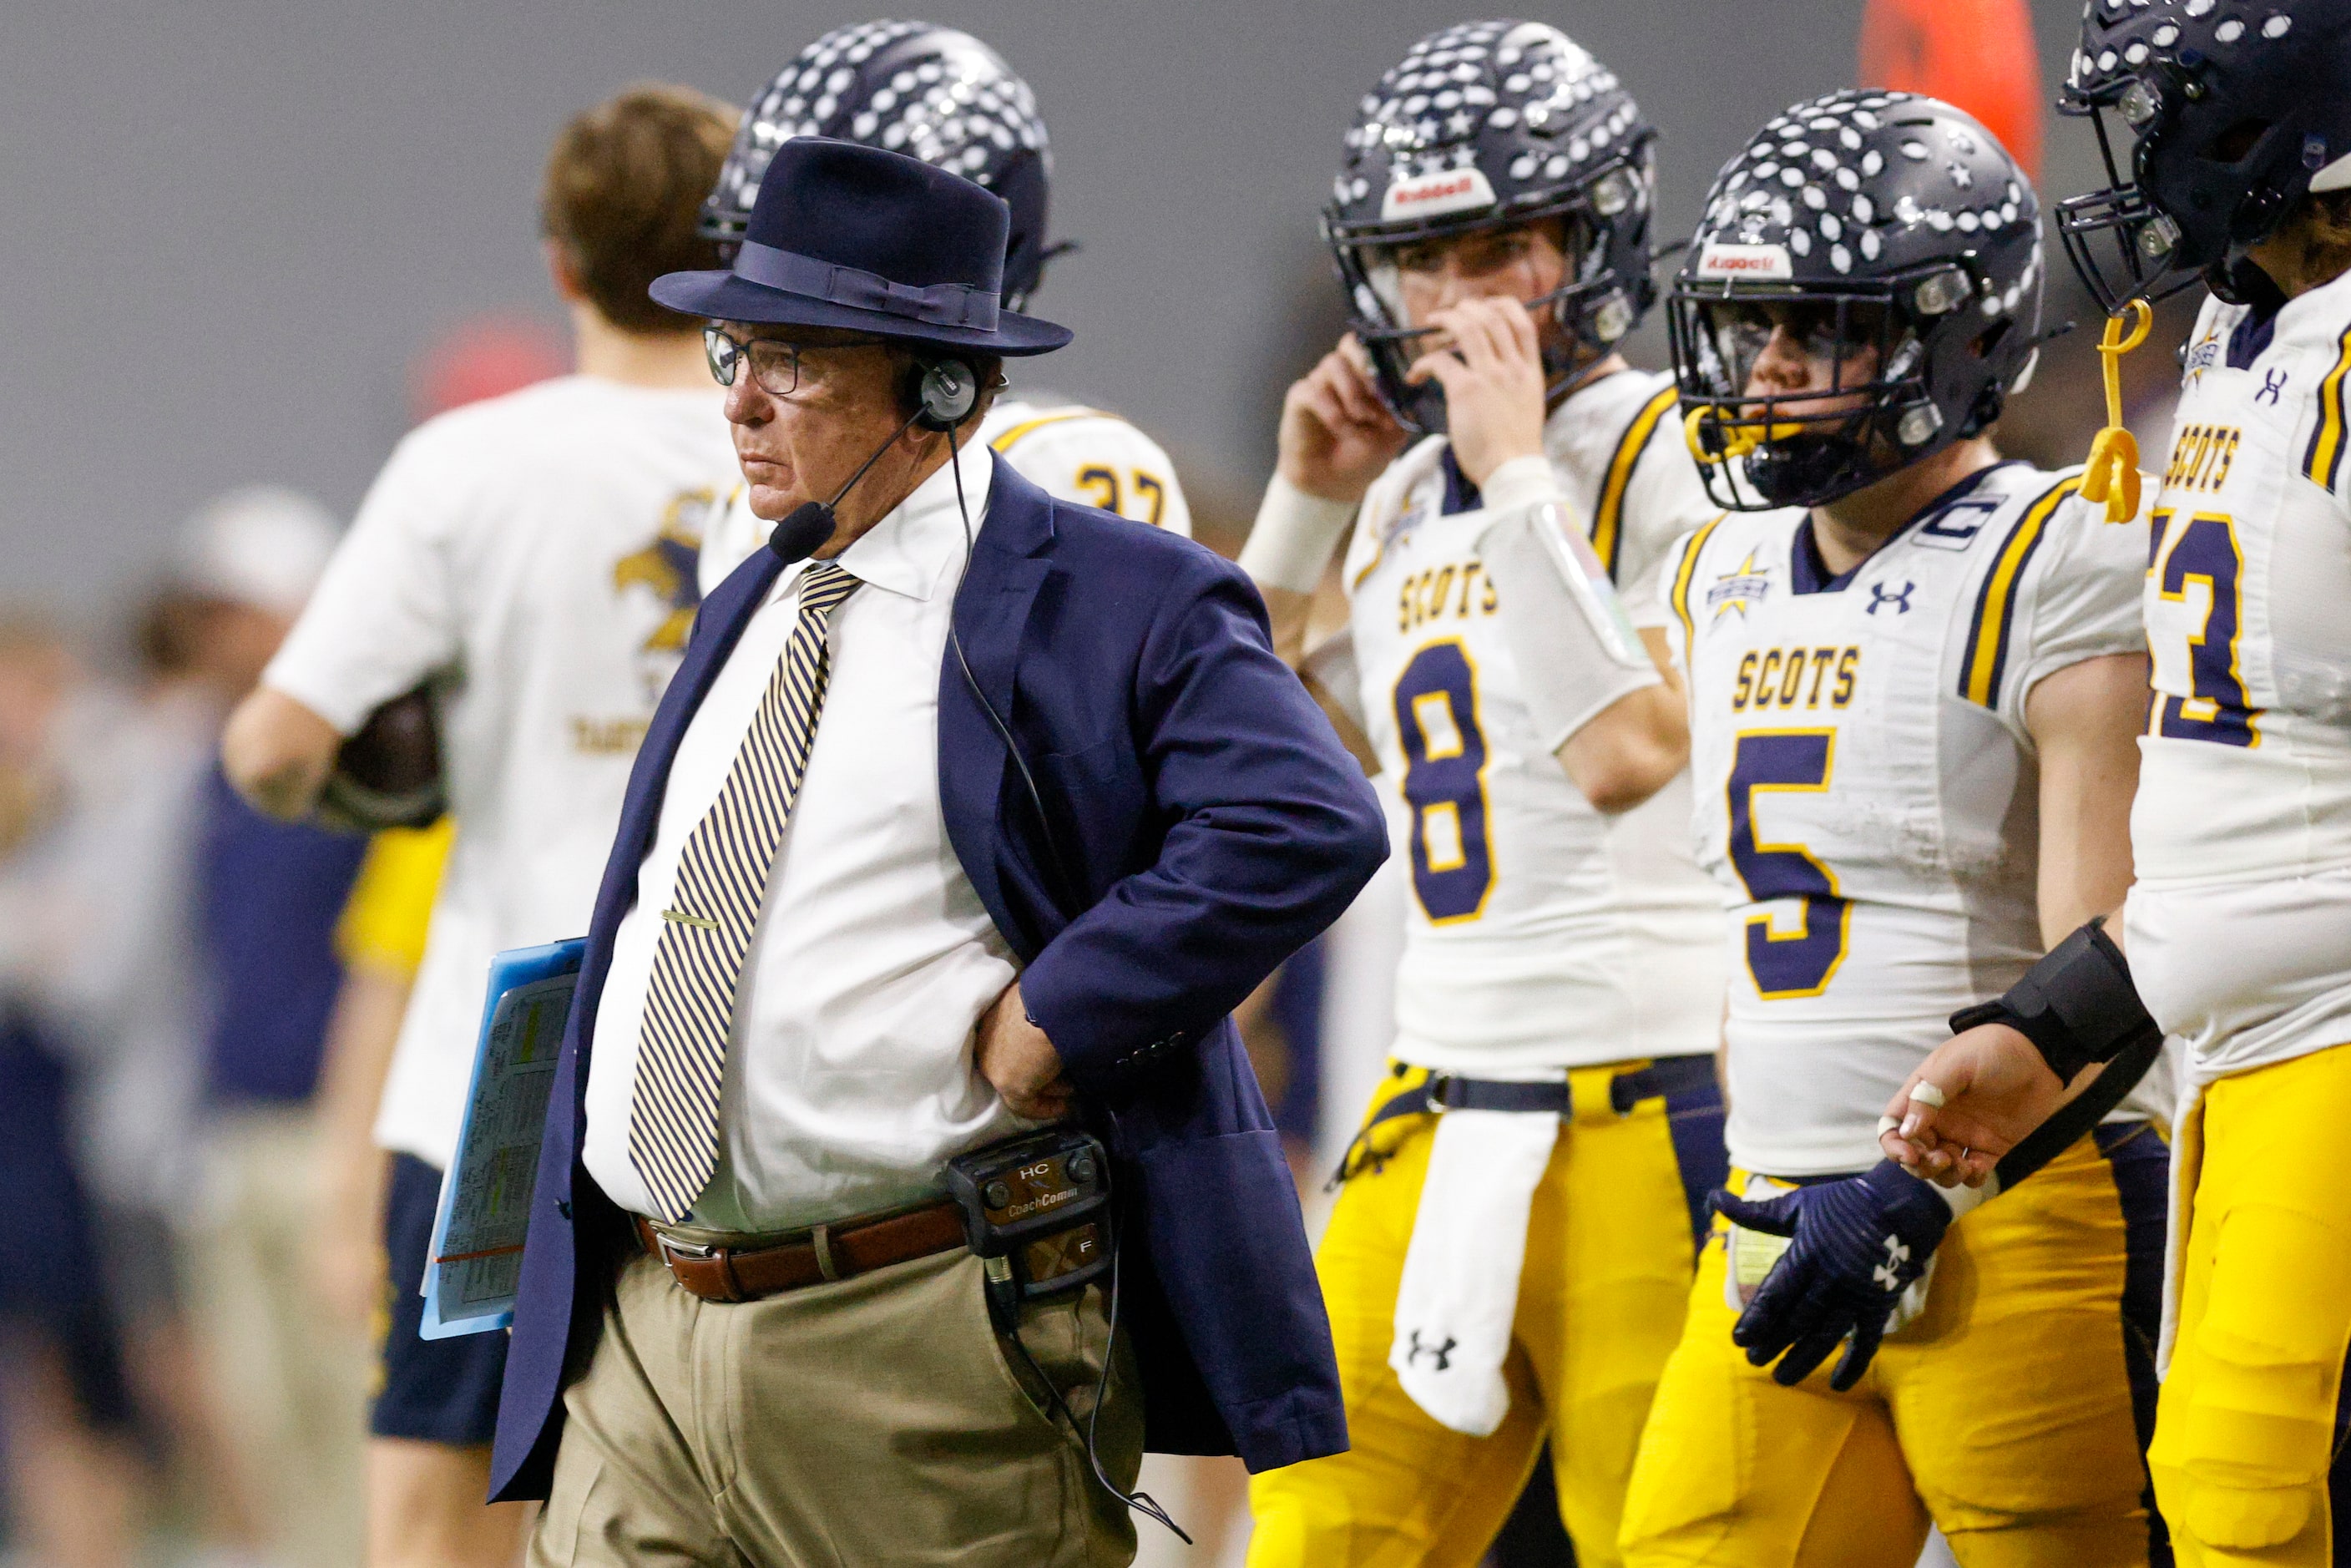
292	1380
873	1420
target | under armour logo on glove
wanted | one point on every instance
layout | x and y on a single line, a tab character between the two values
1856	1245
1442	1355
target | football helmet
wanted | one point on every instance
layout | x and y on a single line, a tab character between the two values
916	87
1890	233
1486	125
2233	112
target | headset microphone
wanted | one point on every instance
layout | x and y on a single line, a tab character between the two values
803	533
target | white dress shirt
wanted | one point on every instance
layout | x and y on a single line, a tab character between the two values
849	1075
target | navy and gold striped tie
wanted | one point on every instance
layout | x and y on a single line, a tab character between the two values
707	929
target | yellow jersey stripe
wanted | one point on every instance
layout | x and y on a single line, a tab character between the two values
1608	516
2322	460
1681	593
1005	443
1986	658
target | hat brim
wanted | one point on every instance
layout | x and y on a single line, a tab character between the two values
724	297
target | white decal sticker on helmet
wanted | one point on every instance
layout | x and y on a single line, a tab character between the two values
1769	262
1429	195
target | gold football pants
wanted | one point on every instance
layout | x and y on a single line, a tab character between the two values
2246	1425
2004	1412
1608	1262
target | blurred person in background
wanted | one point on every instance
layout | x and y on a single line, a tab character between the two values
289	1382
532	557
125	982
941	95
380	937
71	1462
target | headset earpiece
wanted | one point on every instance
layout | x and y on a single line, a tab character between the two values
941	394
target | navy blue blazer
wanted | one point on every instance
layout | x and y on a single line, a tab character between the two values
1204	824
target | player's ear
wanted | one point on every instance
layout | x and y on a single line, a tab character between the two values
563	271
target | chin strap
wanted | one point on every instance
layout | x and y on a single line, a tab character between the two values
2113	475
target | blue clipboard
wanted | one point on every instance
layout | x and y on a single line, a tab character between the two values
475	1267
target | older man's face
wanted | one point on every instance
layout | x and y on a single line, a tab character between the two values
804	444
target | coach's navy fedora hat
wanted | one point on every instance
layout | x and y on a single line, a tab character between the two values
856	237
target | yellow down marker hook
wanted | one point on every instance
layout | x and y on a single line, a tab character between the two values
2113	475
1739	436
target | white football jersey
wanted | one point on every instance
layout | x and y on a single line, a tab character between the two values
533	554
2240	928
1866	788
1539	934
1073	454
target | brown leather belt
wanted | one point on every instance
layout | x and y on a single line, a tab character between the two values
830	1252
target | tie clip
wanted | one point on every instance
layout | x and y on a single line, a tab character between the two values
681	918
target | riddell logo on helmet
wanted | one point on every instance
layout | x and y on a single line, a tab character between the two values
1427	195
1768	262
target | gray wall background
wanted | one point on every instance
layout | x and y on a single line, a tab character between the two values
229	226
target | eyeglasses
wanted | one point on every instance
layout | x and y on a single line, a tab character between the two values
775	362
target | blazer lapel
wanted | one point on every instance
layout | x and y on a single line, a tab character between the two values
718	628
991	614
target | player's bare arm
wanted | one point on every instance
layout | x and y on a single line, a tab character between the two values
1635	745
277	753
2085	720
1995	1085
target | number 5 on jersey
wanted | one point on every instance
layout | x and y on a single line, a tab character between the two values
1798	963
1445	782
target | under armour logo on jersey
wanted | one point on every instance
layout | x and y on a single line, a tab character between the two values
2273	383
1888	1274
1442	1355
1901	601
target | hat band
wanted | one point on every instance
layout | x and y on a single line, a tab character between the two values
941	305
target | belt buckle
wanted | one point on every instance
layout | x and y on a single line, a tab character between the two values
1438	1083
697	1251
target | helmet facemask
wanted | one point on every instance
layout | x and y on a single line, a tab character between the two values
2231	119
1879	414
1580	322
2122	244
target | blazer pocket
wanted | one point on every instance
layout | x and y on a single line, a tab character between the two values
1090	772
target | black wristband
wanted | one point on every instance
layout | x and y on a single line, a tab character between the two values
2076	1006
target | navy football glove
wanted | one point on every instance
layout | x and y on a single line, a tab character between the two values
1856	1246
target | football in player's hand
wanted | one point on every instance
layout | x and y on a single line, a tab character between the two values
387	774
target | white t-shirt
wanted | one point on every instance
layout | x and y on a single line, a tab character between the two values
2240	928
534	555
848	1075
1867	792
1070	453
1539	934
